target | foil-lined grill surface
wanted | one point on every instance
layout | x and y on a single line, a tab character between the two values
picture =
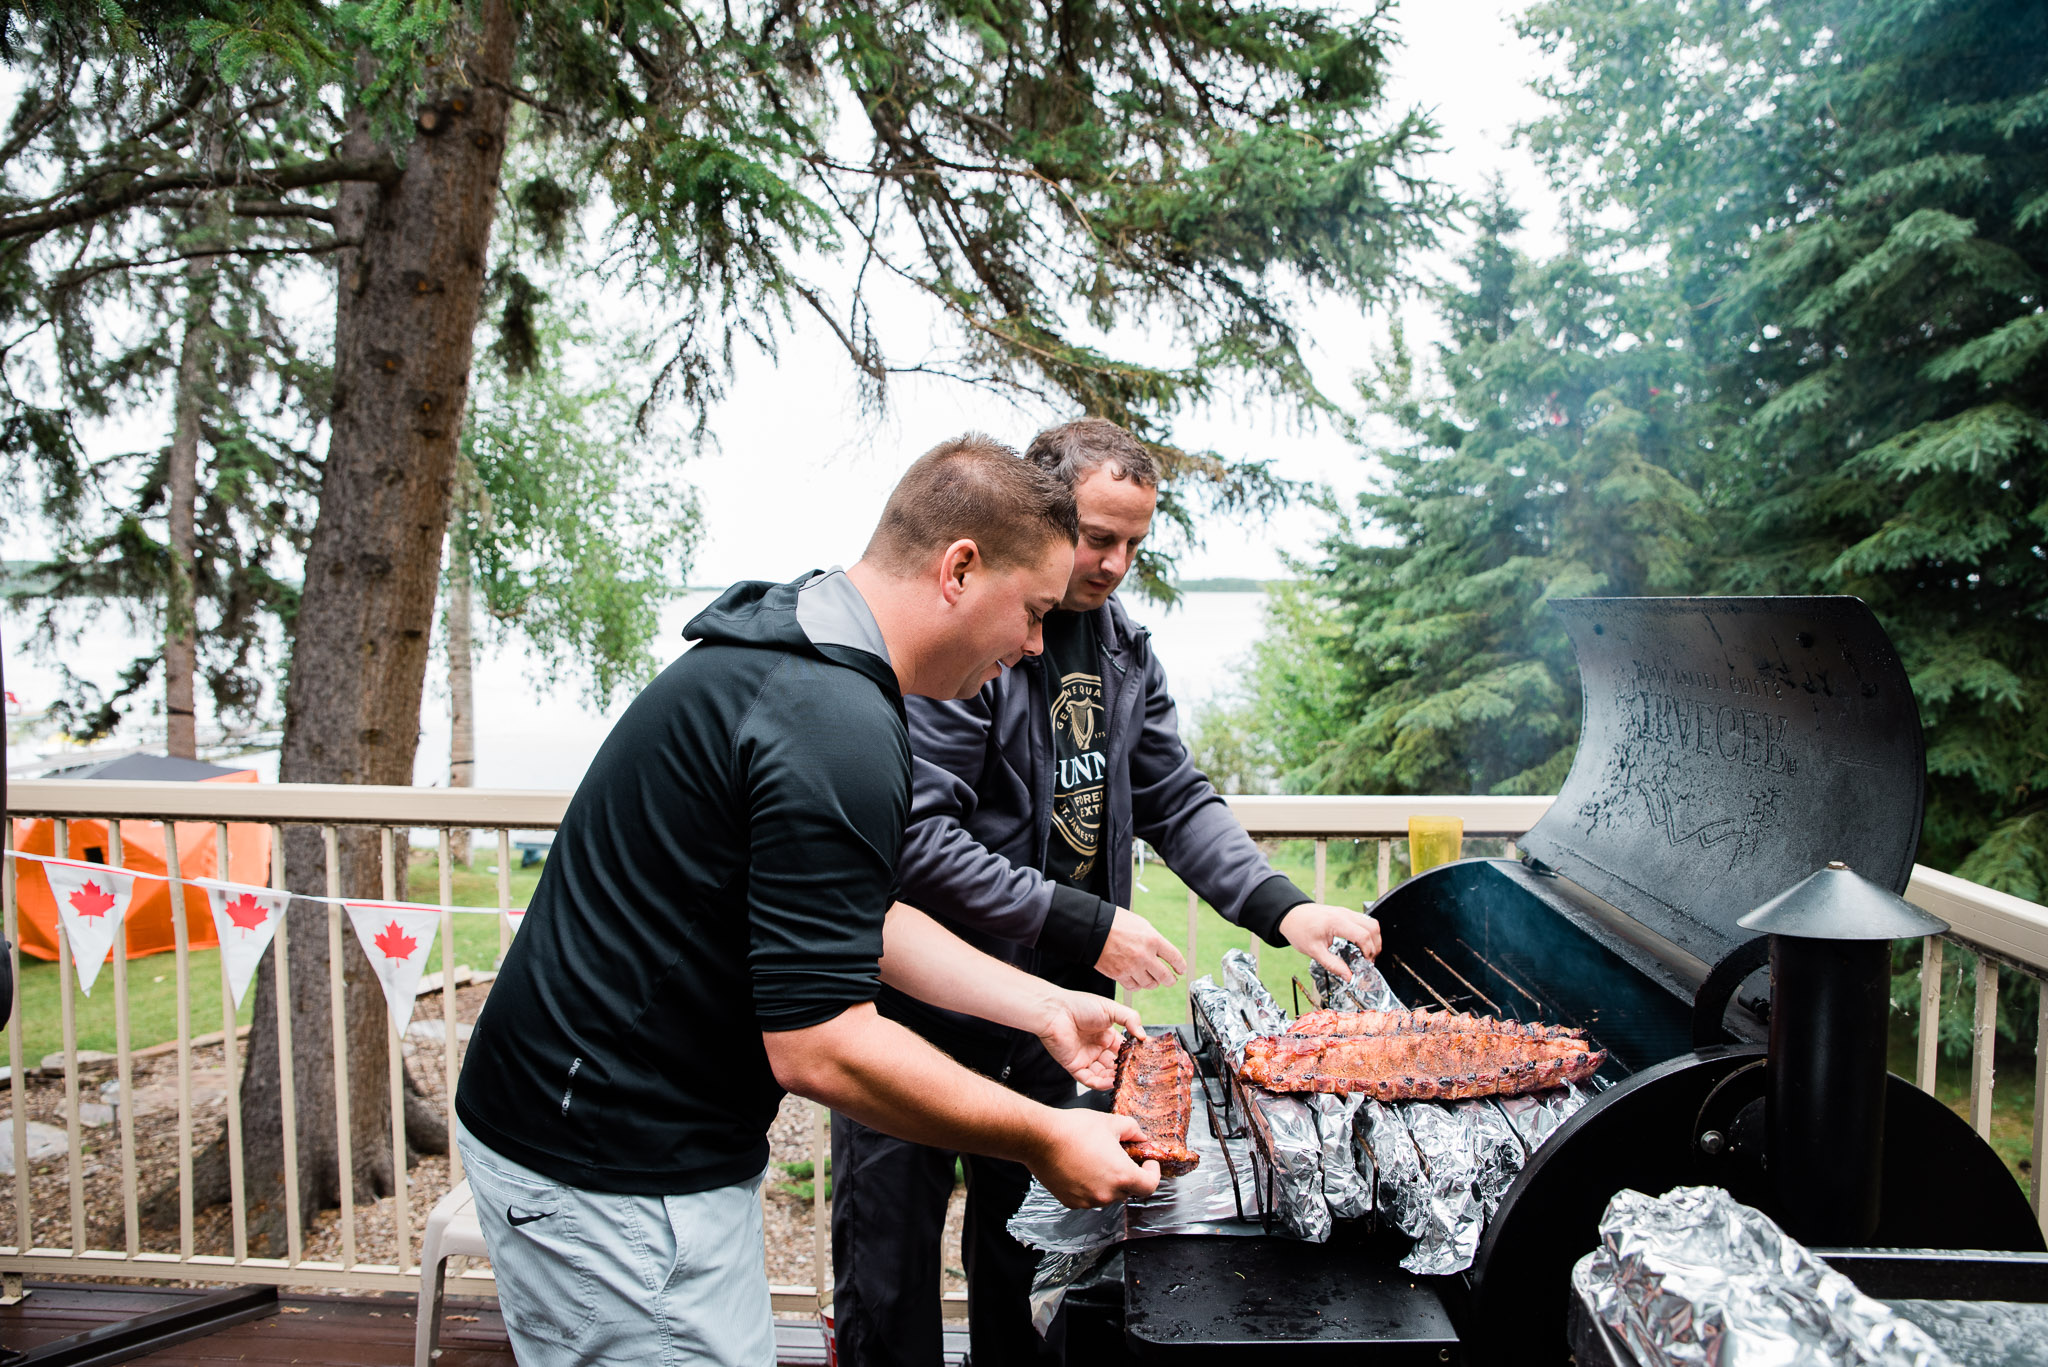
1694	1278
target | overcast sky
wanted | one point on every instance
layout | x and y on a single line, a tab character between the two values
800	474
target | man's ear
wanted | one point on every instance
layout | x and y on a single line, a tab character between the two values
961	558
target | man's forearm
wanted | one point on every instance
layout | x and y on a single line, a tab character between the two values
889	1078
922	959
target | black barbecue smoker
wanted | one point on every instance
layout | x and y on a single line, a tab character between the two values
1738	756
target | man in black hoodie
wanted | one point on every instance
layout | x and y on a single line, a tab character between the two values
714	924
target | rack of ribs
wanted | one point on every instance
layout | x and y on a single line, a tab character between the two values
1438	1064
1155	1082
1419	1022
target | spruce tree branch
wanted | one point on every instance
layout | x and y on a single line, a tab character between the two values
260	208
73	279
526	97
381	170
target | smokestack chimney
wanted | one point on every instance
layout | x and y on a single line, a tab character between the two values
1830	993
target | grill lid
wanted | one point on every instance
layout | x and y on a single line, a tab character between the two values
1731	747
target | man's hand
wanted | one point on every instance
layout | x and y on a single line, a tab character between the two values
1138	956
1080	1034
1311	926
1082	1161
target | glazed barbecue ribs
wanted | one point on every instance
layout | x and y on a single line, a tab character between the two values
1155	1081
1418	1056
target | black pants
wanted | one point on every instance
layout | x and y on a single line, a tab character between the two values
888	1221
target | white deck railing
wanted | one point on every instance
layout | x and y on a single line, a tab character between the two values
2005	932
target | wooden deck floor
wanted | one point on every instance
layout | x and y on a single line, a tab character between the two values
321	1331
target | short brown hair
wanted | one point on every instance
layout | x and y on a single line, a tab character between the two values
1074	448
976	488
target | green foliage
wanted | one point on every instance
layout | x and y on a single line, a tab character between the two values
1805	355
1849	196
1551	455
571	529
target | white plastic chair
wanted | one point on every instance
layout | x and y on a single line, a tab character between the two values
452	1232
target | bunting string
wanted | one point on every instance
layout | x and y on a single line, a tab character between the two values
255	889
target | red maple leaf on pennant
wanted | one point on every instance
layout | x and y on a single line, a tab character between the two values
246	912
92	900
395	943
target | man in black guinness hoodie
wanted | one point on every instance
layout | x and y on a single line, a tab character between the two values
714	924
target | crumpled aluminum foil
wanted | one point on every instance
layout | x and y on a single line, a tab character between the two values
1241	979
1367	990
1694	1278
1347	1194
1982	1333
1539	1115
1291	1187
1220	1027
1203	1201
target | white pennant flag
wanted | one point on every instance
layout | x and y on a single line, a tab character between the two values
245	920
397	938
91	900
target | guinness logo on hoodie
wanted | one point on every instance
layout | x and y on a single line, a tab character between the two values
1079	746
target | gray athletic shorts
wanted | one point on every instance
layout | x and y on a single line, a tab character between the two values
591	1277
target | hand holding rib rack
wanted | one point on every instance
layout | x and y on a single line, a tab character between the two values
1155	1082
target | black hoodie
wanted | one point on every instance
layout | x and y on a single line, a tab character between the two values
723	869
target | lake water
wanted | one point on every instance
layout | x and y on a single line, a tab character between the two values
531	735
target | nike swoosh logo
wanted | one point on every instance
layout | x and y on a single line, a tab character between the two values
517	1220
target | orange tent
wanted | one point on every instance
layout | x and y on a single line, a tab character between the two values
142	851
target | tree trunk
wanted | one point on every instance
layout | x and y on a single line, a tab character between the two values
407	307
461	699
195	367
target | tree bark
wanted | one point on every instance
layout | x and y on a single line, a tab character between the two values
407	306
181	653
461	698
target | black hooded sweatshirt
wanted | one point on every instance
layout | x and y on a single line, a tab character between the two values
723	870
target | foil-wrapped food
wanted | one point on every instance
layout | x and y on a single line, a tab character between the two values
1694	1278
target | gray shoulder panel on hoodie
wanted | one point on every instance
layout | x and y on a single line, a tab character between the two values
831	611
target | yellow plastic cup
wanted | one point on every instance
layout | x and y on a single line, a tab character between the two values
1434	840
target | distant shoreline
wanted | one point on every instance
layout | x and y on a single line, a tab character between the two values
1226	585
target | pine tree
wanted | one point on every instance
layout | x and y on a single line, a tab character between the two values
1553	454
1850	199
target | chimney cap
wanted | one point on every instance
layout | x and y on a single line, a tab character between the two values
1837	903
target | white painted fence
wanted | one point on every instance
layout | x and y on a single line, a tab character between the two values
2009	934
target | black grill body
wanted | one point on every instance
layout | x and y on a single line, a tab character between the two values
1730	747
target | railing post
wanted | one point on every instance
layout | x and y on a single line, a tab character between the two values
287	1073
1983	1037
24	1236
124	1065
337	996
821	1235
504	893
1930	1013
182	951
450	1055
68	1008
401	1198
237	1205
2040	1098
1386	867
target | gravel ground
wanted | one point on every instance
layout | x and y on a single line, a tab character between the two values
788	1221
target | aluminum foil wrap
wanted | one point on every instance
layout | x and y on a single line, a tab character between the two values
1385	1148
1367	990
1539	1115
1982	1333
1694	1278
1220	1028
1203	1201
1288	1129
